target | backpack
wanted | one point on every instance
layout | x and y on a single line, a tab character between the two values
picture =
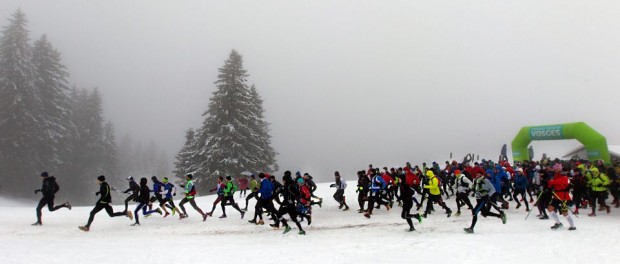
192	192
51	187
233	189
268	186
464	184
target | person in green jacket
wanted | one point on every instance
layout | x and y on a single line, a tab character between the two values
190	192
598	183
254	187
229	199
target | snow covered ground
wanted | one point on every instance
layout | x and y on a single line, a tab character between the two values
334	237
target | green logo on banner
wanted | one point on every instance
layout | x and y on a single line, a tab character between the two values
546	132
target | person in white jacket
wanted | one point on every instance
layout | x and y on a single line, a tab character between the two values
340	185
463	185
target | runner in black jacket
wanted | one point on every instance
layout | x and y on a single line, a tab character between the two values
103	203
144	198
406	195
49	189
290	195
134	188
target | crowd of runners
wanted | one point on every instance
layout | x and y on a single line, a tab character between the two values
484	187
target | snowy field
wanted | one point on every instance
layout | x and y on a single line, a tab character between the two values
334	237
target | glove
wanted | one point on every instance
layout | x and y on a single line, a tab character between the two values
357	190
36	191
174	194
332	185
97	193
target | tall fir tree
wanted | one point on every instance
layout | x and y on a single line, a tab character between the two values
19	110
55	113
234	137
39	129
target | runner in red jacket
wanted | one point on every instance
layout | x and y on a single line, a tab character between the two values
560	186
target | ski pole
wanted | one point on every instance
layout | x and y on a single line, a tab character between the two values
564	203
539	195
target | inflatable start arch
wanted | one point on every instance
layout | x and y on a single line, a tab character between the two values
594	142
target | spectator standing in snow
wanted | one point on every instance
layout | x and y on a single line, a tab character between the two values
243	185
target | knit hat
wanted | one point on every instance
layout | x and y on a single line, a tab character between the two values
165	180
130	178
260	175
190	176
300	180
228	177
44	174
101	178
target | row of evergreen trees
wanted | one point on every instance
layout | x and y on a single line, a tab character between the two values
44	124
234	137
47	126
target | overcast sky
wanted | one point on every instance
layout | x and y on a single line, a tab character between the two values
348	83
